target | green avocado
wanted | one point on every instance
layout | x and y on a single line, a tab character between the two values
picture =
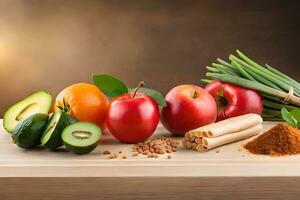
81	137
27	133
39	102
51	137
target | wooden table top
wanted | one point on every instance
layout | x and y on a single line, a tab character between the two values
229	160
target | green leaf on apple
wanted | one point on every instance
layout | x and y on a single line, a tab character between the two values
292	118
109	85
157	96
113	87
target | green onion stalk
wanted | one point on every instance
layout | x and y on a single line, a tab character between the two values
277	89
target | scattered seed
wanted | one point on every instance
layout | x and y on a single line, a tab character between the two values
113	156
124	157
169	157
120	152
134	154
217	151
106	152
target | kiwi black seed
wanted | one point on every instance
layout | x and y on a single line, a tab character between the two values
81	137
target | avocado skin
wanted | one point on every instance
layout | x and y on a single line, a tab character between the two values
81	150
55	140
27	134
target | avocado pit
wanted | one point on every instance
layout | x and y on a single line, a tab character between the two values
27	111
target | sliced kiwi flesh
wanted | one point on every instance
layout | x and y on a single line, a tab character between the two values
51	137
81	137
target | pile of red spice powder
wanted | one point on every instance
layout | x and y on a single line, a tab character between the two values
280	140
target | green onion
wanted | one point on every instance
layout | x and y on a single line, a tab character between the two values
242	71
262	80
272	84
253	85
206	81
222	62
267	72
224	69
282	75
270	97
272	78
271	112
277	106
212	69
272	118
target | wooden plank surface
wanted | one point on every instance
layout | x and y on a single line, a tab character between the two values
232	173
230	160
228	188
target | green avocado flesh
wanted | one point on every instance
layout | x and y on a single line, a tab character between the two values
27	134
51	137
81	137
39	102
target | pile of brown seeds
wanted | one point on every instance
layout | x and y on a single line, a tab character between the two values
153	148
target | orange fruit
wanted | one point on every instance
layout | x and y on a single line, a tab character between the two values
85	102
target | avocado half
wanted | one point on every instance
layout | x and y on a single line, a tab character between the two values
39	102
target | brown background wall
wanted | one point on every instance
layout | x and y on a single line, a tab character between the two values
51	44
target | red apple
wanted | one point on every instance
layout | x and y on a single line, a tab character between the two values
188	107
132	118
233	100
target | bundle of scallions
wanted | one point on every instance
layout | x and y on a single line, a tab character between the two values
278	90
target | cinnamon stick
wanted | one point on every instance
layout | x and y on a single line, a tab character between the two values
226	126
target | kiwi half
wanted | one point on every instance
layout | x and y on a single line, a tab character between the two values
51	137
81	137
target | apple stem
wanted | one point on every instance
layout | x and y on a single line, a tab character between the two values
141	84
195	95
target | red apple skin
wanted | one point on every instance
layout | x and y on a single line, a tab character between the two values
132	119
188	107
238	100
